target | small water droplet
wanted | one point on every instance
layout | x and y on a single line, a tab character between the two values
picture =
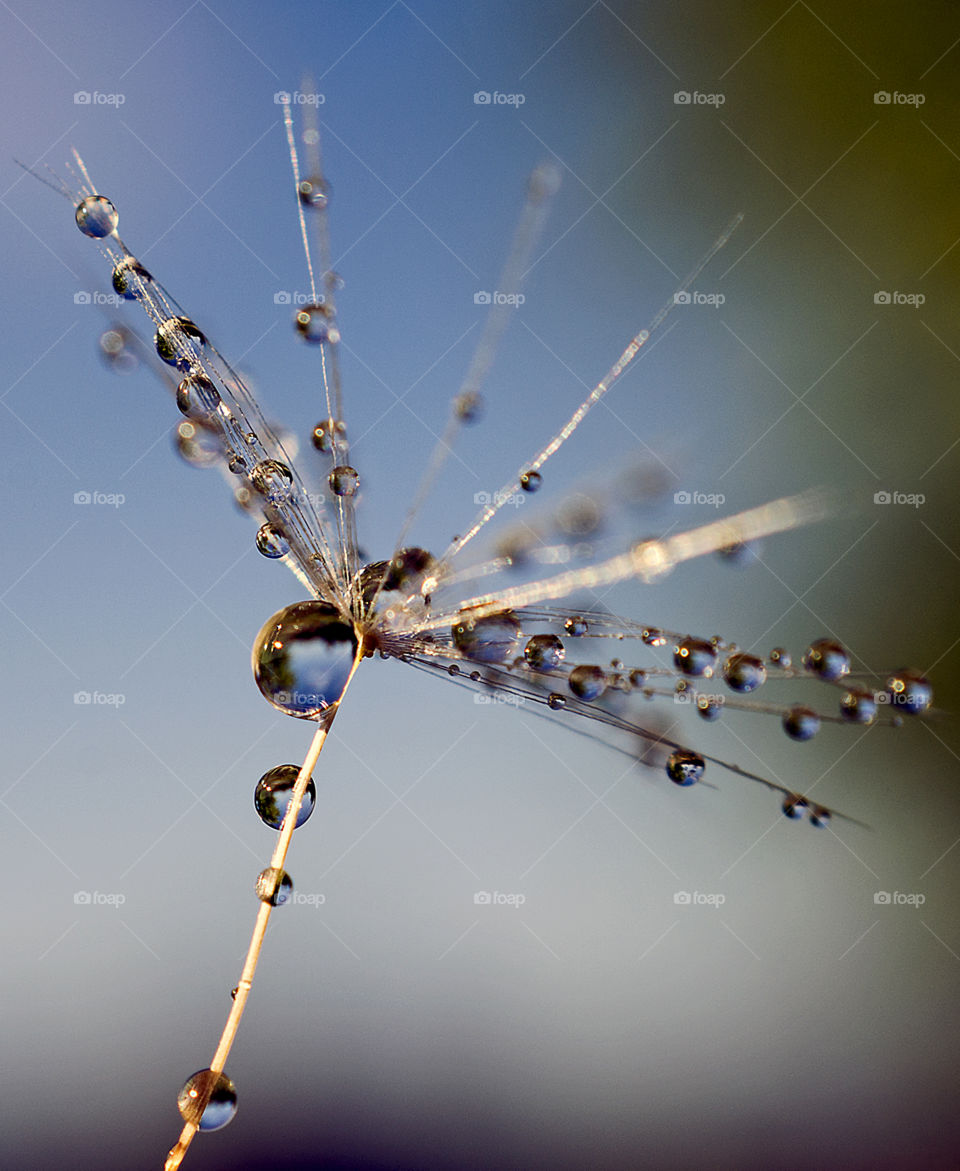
858	707
271	798
801	723
97	217
531	481
653	637
207	1099
130	278
302	658
741	554
544	652
709	707
179	343
274	886
314	192
272	479
234	991
492	639
696	657
271	542
819	816
576	627
328	433
197	397
794	806
684	766
314	323
781	657
556	702
909	691
236	463
344	481
468	407
453	670
827	659
587	682
744	673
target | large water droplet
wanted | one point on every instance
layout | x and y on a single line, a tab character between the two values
491	639
684	766
130	278
274	886
197	397
544	652
271	542
302	658
587	681
827	659
695	656
207	1099
858	707
801	723
909	691
314	323
179	343
97	217
272	479
271	798
344	481
744	672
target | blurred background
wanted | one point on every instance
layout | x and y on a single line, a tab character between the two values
395	1022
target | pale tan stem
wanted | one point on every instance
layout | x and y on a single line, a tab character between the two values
227	1037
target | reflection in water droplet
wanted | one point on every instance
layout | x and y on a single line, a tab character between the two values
130	278
272	479
271	798
909	691
801	723
587	681
544	652
827	659
271	542
744	672
208	1100
274	886
556	701
492	639
302	658
344	481
197	397
685	767
327	433
97	217
576	627
531	481
858	707
179	343
780	657
314	323
695	656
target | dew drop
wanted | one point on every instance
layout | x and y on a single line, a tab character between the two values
685	767
544	652
314	192
468	407
492	639
97	217
909	691
197	397
272	479
794	806
271	798
314	323
274	886
271	542
709	707
741	554
858	707
779	657
653	637
207	1099
328	433
556	702
587	681
344	481
453	670
576	627
801	723
696	657
819	816
827	659
236	463
744	673
179	343
302	658
130	278
531	481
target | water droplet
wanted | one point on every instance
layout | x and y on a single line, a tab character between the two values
744	672
314	192
801	723
197	445
780	657
793	806
408	566
653	637
272	479
587	681
130	278
492	639
302	658
468	407
328	433
827	659
271	542
197	397
344	481
453	670
695	656
531	481
741	554
579	516
274	886
576	627
858	707
819	816
556	702
179	343
97	217
236	463
709	707
909	691
685	767
116	349
314	323
271	798
207	1099
543	652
